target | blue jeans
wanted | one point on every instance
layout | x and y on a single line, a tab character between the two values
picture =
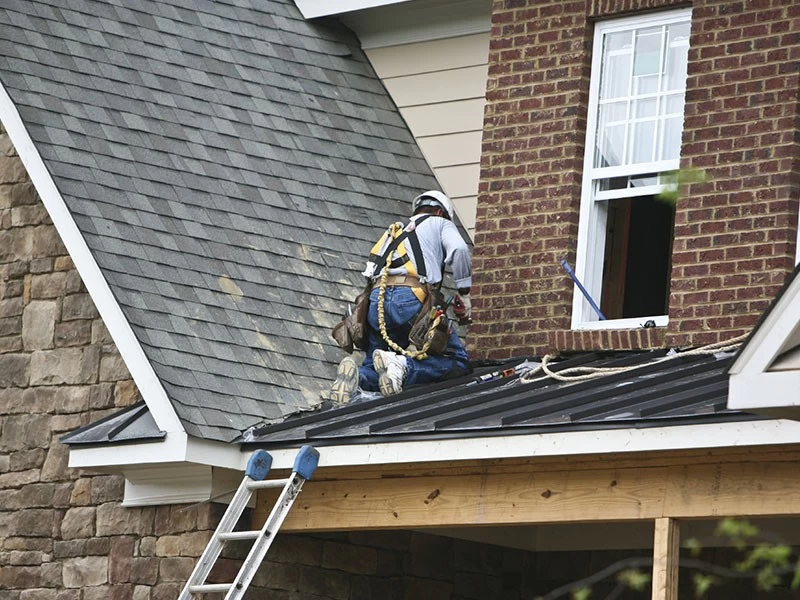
400	307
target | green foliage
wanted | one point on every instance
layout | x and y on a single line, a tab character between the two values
765	559
703	583
738	531
635	579
582	593
674	180
694	546
796	577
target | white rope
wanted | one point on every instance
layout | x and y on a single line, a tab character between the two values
586	373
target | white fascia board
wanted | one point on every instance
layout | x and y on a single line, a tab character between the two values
772	335
763	391
311	9
797	245
677	437
128	346
175	448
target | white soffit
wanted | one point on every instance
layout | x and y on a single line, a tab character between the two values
311	9
129	348
418	21
765	375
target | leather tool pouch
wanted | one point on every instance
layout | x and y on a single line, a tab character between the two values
422	330
353	330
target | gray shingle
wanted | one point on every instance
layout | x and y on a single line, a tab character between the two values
196	140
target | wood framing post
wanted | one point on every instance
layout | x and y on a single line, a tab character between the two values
666	547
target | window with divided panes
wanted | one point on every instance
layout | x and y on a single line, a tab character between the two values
634	128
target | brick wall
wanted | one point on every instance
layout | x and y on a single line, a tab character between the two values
734	234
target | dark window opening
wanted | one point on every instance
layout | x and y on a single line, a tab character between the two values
637	263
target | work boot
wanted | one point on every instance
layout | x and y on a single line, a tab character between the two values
391	370
346	382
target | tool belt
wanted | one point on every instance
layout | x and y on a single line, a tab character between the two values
353	330
419	288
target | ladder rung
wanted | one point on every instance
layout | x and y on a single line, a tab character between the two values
210	587
239	535
267	483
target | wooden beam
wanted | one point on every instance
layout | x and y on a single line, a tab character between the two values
666	545
495	496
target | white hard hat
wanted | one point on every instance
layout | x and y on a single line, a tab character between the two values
433	198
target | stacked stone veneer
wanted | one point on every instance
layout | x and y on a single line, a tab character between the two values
63	533
734	235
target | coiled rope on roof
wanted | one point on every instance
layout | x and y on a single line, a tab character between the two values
586	373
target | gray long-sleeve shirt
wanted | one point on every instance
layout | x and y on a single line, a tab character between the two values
441	243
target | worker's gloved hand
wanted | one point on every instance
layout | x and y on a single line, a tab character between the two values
462	309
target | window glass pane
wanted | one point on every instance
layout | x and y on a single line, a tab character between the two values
624	183
611	144
647	55
671	136
620	40
611	131
644	180
677	56
646	84
616	76
642	141
644	107
672	104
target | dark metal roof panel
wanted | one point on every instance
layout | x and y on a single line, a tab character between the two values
654	389
132	424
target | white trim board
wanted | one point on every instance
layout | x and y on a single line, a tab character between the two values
311	9
753	383
606	441
397	24
128	346
177	448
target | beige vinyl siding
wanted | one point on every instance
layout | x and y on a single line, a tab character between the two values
439	87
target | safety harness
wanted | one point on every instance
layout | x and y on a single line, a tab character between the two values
399	232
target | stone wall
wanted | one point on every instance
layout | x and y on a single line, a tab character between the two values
734	234
63	533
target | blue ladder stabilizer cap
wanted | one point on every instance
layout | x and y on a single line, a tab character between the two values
306	462
259	465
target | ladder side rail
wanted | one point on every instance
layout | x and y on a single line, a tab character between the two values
267	535
212	551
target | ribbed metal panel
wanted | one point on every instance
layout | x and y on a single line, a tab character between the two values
655	389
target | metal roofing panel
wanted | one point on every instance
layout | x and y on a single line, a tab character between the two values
652	388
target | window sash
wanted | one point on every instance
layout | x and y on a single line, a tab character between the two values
633	123
592	219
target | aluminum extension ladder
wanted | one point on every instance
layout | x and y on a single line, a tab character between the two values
254	479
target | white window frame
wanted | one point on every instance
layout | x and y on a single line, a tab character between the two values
592	219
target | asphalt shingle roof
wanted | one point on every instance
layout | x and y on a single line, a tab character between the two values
226	162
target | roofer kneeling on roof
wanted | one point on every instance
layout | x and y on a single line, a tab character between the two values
405	269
